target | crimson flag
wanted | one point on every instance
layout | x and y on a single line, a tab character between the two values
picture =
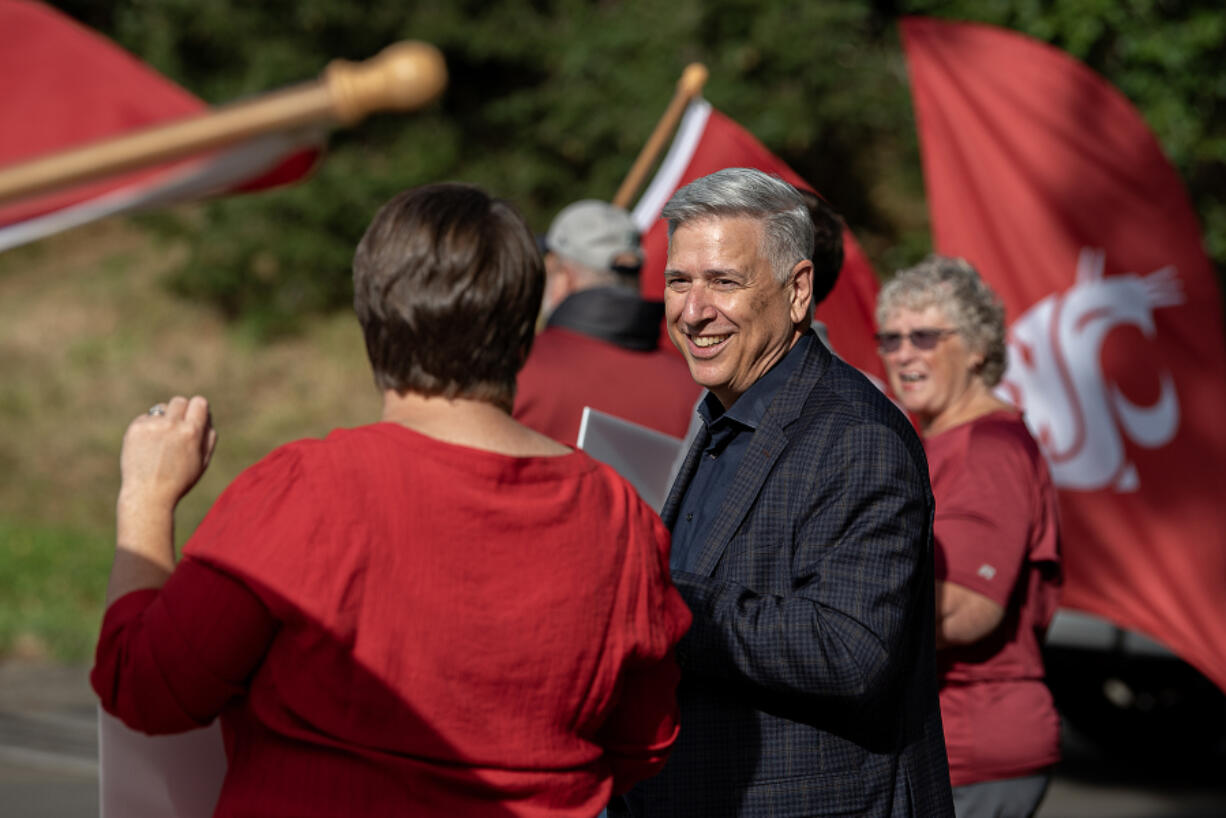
708	141
64	86
1046	179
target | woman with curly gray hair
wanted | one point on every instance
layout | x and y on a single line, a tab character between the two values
942	340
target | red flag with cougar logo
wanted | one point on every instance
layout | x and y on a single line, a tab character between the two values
708	141
1046	179
64	86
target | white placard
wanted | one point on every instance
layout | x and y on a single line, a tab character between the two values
643	456
142	776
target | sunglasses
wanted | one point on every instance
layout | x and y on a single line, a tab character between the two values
923	339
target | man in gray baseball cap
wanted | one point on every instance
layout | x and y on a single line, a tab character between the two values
590	244
600	345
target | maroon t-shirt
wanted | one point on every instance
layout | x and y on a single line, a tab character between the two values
997	533
568	370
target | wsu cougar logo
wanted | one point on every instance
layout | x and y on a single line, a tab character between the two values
1055	374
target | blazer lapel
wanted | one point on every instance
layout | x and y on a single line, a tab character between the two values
672	505
765	447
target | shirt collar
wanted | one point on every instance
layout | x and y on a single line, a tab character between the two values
751	406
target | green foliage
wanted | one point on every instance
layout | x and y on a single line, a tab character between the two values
550	101
1167	56
51	584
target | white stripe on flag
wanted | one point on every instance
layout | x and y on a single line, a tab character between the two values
664	183
206	177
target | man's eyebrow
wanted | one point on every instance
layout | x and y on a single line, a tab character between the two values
723	272
711	272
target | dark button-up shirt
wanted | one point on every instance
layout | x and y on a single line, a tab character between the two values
730	430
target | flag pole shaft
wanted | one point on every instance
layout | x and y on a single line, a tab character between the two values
688	87
404	76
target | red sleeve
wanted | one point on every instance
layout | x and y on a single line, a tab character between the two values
169	659
984	513
644	722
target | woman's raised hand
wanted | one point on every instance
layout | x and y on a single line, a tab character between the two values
165	450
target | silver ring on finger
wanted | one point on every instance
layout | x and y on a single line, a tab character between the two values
157	409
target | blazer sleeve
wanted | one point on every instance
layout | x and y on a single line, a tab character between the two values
858	548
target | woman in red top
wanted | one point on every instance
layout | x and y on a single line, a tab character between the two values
997	534
442	613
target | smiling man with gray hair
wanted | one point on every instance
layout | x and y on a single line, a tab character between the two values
802	541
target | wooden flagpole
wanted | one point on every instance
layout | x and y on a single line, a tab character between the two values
688	87
403	77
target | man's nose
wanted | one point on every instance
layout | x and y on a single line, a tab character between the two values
698	307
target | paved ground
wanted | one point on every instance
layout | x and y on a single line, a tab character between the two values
48	742
1088	784
49	766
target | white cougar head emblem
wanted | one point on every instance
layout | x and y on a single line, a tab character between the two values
1056	376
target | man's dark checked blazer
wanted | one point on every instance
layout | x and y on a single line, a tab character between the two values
808	677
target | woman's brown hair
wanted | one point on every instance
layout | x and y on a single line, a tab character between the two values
447	285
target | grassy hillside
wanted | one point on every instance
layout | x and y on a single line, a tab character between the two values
91	339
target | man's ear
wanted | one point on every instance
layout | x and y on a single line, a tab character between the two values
800	291
559	280
554	266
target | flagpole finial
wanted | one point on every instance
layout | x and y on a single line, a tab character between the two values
693	78
402	77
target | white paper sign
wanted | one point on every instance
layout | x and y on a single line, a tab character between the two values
641	455
144	776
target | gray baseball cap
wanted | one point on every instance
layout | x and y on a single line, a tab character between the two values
593	233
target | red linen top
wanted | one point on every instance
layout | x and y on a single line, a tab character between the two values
997	533
568	370
389	624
